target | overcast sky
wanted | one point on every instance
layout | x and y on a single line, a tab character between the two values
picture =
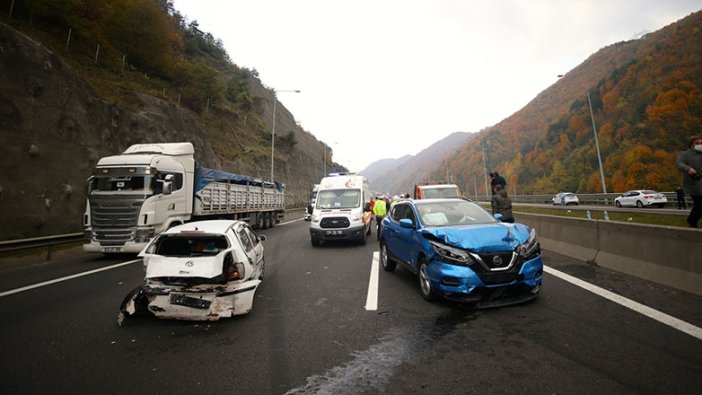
382	79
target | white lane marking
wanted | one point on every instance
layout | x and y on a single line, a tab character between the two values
663	318
289	222
58	280
372	298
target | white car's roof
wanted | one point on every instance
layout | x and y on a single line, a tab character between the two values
213	226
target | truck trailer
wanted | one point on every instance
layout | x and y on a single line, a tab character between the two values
152	187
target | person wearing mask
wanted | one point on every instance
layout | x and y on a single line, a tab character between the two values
689	162
502	204
379	210
496	179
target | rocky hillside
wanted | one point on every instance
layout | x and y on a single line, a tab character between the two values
55	125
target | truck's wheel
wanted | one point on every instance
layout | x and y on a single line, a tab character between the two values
261	221
271	220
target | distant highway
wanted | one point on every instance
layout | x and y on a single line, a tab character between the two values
599	207
310	332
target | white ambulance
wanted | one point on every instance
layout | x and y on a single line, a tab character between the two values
341	209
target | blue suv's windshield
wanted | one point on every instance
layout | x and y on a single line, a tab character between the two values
452	213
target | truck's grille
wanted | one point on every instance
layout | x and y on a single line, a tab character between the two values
114	218
334	222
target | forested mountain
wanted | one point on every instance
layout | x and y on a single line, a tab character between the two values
83	79
646	100
381	167
397	176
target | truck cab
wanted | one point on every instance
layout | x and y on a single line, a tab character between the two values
136	195
436	191
341	210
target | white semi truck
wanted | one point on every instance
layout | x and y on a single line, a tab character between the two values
151	187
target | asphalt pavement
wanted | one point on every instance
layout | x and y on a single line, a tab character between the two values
310	332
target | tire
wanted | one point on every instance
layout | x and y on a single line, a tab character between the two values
315	242
428	293
274	219
263	269
261	219
389	265
619	205
639	204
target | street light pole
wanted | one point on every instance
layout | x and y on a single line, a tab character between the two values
484	171
275	101
597	145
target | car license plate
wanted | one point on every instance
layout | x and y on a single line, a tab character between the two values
334	233
111	249
185	300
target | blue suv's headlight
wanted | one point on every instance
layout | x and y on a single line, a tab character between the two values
531	248
452	255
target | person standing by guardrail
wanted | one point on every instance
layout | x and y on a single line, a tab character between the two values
690	164
680	194
497	179
502	204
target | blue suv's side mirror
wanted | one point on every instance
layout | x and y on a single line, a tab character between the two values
499	217
406	223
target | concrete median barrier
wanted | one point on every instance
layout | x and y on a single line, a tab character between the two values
666	255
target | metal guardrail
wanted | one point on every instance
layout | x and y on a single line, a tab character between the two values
39	242
51	241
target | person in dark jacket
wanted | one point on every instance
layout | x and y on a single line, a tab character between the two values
680	194
690	164
502	204
497	179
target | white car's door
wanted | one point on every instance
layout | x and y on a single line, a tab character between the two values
258	246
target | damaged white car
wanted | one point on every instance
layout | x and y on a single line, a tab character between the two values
199	271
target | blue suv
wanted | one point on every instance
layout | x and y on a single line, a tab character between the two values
459	251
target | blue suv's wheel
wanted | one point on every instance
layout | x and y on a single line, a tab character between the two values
425	287
389	265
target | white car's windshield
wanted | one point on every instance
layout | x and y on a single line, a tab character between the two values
338	198
453	213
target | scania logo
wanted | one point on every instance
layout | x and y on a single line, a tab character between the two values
496	260
189	263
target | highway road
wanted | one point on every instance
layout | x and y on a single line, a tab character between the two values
310	332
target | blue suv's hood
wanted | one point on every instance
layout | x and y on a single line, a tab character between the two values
482	238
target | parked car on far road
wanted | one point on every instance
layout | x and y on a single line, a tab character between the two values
566	199
641	198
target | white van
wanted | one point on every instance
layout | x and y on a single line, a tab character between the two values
310	204
342	209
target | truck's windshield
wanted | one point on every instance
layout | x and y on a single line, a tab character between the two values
338	198
140	184
439	193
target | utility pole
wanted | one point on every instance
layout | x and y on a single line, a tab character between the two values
597	145
485	171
